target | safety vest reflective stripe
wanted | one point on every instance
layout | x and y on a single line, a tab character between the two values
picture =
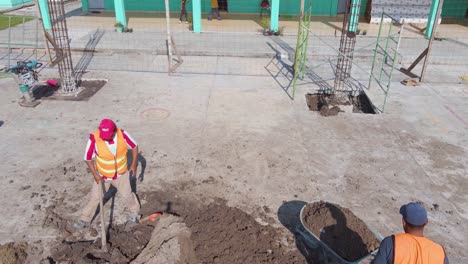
103	161
123	166
101	169
110	162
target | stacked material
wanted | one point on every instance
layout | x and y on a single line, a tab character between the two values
414	11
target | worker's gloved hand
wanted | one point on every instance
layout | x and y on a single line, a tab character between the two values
140	177
133	177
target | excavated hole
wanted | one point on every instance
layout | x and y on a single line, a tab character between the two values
328	105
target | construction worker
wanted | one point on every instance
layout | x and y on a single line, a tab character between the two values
214	9
411	247
106	157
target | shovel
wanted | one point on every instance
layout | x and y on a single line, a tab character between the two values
101	212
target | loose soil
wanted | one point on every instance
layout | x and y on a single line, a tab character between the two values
124	246
13	253
328	105
340	229
218	234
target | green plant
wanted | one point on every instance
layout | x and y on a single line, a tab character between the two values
14	20
117	25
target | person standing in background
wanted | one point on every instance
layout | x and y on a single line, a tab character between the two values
183	11
214	9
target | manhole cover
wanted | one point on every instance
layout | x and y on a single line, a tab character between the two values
155	114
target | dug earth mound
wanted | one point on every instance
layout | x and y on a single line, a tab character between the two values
188	232
340	229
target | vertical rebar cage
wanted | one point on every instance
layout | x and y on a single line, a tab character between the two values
347	45
62	48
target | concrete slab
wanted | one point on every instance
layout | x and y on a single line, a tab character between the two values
238	126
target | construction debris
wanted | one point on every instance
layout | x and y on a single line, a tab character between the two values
410	82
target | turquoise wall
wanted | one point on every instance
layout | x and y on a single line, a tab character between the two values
14	3
146	5
287	7
454	9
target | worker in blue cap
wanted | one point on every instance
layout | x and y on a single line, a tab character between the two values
411	247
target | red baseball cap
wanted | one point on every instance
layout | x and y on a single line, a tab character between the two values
106	129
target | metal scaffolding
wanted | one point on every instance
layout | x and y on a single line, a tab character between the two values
302	44
385	56
62	46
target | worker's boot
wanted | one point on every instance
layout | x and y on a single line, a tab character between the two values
80	224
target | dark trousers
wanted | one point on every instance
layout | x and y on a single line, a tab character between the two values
216	11
183	13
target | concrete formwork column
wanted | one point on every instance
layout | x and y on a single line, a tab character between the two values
45	16
196	14
274	15
432	18
85	6
120	17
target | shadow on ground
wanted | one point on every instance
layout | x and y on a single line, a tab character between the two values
289	216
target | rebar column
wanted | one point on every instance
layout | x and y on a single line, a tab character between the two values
347	45
60	36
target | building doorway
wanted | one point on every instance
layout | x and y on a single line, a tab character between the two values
342	5
223	5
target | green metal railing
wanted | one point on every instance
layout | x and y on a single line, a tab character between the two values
300	58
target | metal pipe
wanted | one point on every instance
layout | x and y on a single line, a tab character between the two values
375	52
168	30
431	40
9	39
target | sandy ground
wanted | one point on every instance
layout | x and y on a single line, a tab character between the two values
240	138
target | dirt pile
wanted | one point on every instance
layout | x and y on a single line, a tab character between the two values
170	243
222	234
13	253
190	231
340	229
329	105
124	245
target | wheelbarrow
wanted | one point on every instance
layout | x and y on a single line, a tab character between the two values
328	255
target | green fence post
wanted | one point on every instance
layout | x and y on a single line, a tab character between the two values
120	12
45	16
432	18
85	6
196	16
274	15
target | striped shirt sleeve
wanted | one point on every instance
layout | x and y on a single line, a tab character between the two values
131	143
90	151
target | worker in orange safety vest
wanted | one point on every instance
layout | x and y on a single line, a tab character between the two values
411	247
